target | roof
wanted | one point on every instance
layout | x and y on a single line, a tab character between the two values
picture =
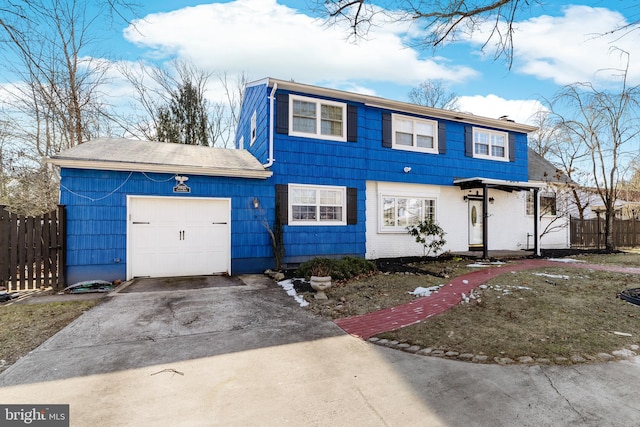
395	105
540	169
150	156
500	184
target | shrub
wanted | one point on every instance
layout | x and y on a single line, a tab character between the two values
339	269
429	234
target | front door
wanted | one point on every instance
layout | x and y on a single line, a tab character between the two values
475	224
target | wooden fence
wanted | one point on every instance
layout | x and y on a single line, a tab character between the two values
589	233
32	250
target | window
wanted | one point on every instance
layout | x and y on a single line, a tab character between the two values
317	205
410	133
490	144
547	203
254	128
401	212
318	118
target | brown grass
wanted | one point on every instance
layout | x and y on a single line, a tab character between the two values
518	314
25	327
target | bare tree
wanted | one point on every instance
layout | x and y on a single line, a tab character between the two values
442	20
54	101
434	93
157	88
602	123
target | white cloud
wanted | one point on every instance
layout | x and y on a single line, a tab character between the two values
266	39
574	47
493	106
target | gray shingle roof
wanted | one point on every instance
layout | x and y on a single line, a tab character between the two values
150	156
542	170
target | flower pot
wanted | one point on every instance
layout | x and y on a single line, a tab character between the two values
320	284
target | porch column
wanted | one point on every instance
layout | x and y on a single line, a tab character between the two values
536	223
485	222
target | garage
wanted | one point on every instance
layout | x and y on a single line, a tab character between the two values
178	236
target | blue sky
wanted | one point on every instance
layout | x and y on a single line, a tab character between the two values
557	43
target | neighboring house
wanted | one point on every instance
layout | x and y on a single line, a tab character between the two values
555	200
339	173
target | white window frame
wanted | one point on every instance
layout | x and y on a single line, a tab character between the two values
401	228
543	194
318	131
318	204
254	128
490	145
395	118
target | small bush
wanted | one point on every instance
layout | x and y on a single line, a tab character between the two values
339	269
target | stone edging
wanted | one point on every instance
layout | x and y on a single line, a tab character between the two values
622	354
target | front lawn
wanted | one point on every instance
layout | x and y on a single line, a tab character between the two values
559	312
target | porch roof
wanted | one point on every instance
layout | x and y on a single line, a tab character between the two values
499	184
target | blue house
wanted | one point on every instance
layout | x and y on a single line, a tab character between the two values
320	172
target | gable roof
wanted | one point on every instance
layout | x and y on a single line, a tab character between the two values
121	154
540	169
456	116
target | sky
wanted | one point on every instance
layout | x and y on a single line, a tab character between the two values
556	43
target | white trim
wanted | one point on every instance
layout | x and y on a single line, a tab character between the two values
382	229
317	222
318	102
489	156
253	128
177	199
415	120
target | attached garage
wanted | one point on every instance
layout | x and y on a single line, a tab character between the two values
169	236
150	209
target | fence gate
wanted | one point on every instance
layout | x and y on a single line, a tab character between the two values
32	250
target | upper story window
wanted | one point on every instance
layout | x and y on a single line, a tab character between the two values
547	203
254	128
490	144
317	205
400	212
319	118
413	134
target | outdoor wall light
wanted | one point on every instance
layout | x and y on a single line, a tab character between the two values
491	200
407	169
256	203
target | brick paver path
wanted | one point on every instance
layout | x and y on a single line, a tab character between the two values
390	319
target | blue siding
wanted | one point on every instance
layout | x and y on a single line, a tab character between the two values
256	98
310	161
96	203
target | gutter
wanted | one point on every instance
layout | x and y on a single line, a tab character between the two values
272	98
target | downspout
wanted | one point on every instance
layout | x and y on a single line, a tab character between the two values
536	222
272	98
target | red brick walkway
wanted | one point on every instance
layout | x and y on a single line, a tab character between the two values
390	319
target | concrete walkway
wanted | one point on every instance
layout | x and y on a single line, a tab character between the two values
390	319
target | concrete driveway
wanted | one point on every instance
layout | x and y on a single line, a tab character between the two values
244	354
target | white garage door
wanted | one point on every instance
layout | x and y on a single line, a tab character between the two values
171	236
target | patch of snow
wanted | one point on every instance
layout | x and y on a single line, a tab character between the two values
287	285
466	282
622	334
552	276
478	265
565	260
424	292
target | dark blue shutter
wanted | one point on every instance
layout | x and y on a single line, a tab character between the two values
282	202
386	130
468	141
352	123
282	113
442	137
512	147
352	206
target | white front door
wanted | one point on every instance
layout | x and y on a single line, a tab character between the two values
171	236
475	223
